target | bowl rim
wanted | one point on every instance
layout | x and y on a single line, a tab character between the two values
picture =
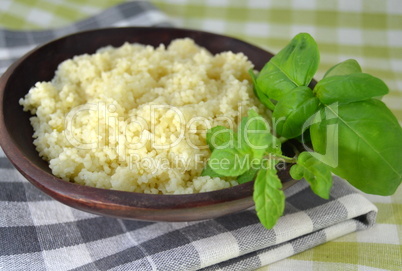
61	190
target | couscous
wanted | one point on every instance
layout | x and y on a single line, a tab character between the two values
134	118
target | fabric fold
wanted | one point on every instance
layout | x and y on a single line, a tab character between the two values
306	228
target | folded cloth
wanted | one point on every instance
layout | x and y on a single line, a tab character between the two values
39	233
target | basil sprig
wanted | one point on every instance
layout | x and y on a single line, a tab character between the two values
354	135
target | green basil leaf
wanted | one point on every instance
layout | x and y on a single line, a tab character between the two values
268	196
249	175
254	135
349	88
344	68
229	162
293	110
264	99
315	172
220	137
363	141
275	147
295	65
208	171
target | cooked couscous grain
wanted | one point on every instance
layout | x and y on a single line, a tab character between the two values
134	118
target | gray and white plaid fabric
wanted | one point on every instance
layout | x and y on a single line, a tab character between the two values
14	44
39	233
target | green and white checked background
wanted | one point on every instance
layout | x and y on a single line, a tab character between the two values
369	31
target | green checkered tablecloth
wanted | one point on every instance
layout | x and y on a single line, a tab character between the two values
369	31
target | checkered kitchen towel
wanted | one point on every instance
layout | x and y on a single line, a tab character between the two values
39	233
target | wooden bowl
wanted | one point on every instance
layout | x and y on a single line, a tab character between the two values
16	131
